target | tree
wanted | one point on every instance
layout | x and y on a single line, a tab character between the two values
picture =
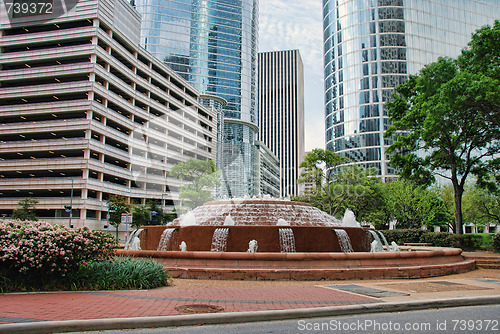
481	207
445	119
140	215
415	206
117	205
317	165
26	211
448	198
203	179
358	189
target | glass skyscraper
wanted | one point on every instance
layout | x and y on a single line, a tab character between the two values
213	44
370	47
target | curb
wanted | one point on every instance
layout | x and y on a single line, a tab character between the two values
239	317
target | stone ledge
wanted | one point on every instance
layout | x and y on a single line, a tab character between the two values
322	274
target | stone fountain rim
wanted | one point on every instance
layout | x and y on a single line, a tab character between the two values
416	252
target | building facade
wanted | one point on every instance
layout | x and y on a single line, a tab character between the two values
281	112
213	44
269	175
87	113
370	47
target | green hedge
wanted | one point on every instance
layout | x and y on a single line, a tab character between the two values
438	239
496	242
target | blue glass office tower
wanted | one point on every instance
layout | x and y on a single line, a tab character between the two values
213	44
370	47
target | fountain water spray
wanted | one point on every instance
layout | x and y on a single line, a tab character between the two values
134	243
165	238
287	240
219	240
252	246
344	241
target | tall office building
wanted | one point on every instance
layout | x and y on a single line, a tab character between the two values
86	113
213	44
281	112
370	47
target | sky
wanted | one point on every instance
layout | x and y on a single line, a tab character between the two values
297	24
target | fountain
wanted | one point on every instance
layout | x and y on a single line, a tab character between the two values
229	221
165	238
295	242
183	246
384	240
134	243
395	247
219	240
252	246
378	247
287	240
344	241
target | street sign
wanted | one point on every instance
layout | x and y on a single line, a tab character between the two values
126	218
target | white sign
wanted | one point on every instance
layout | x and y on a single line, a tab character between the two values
126	218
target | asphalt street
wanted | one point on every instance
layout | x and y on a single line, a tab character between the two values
460	320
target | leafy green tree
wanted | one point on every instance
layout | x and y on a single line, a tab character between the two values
415	206
140	215
445	119
481	207
358	189
448	198
26	211
143	213
317	165
117	205
203	179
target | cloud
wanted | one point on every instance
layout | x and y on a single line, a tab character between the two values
293	24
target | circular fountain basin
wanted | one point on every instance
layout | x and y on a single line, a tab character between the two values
417	263
295	241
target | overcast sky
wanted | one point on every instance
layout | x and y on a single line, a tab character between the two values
297	24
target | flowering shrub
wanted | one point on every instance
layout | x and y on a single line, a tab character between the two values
39	250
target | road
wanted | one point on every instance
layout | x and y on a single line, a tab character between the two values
460	320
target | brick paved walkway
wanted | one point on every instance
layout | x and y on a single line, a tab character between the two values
160	302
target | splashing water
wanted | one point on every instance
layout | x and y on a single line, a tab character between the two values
165	238
219	240
349	219
282	222
287	240
395	247
229	221
183	247
344	241
384	240
134	243
376	247
252	246
188	219
376	238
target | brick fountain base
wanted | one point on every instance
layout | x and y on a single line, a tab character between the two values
317	251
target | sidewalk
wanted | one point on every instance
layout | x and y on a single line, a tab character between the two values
190	301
